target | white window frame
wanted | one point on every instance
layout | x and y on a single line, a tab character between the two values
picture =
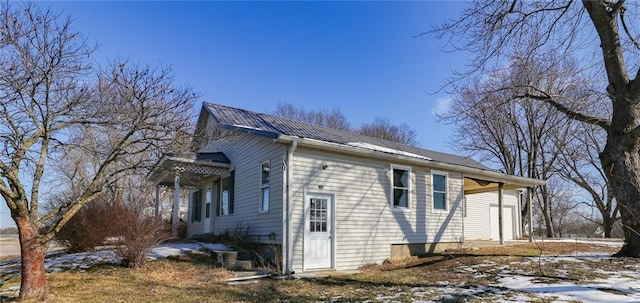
392	187
446	191
263	186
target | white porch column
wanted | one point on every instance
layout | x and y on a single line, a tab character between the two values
500	208
157	208
175	214
529	201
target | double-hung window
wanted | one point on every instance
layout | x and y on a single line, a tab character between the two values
400	187
265	171
439	190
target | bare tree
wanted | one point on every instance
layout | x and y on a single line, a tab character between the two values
579	164
333	118
49	102
605	39
382	128
562	205
524	138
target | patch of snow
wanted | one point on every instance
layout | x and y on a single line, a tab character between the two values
174	249
604	291
247	127
385	150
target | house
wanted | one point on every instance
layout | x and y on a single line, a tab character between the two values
331	199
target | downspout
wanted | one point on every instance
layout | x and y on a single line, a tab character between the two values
287	250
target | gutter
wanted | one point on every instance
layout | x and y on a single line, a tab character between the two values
468	171
287	250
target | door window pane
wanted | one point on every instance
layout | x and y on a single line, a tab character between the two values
318	215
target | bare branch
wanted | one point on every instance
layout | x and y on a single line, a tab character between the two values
626	28
567	111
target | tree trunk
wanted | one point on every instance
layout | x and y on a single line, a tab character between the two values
546	212
607	226
621	163
34	277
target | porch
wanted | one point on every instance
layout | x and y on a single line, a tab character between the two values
185	170
484	184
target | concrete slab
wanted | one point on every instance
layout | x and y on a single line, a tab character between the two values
323	273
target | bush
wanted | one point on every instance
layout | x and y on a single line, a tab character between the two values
137	235
122	224
89	228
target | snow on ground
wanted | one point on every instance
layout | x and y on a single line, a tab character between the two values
56	261
608	290
174	249
506	282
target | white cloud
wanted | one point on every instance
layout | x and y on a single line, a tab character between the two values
442	106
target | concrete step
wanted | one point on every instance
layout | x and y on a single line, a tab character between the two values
223	256
238	265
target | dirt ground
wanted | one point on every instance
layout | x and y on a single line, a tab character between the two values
9	246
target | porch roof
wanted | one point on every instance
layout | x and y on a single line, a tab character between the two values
483	184
192	168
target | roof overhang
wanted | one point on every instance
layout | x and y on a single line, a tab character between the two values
490	176
191	171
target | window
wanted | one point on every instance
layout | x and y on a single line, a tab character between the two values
400	189
439	191
207	206
318	215
264	186
196	203
225	207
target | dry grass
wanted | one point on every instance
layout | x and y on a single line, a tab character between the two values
538	248
192	278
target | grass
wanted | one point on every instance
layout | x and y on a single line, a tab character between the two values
192	278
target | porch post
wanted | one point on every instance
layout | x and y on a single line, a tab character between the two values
157	209
529	201
176	205
500	206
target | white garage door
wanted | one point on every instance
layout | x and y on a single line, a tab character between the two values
507	220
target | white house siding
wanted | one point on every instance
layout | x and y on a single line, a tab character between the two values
477	223
365	225
246	153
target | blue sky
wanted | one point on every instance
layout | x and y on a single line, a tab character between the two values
360	57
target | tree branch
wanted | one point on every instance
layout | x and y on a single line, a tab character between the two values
626	30
607	28
605	124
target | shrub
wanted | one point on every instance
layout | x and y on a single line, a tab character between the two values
89	228
137	235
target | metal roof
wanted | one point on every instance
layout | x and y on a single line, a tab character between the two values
273	126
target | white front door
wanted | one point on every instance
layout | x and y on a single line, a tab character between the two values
207	211
318	231
507	222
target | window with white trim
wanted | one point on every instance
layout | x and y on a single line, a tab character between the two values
265	173
439	190
400	186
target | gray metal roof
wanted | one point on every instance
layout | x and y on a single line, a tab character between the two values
273	126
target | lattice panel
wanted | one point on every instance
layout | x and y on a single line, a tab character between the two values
206	170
